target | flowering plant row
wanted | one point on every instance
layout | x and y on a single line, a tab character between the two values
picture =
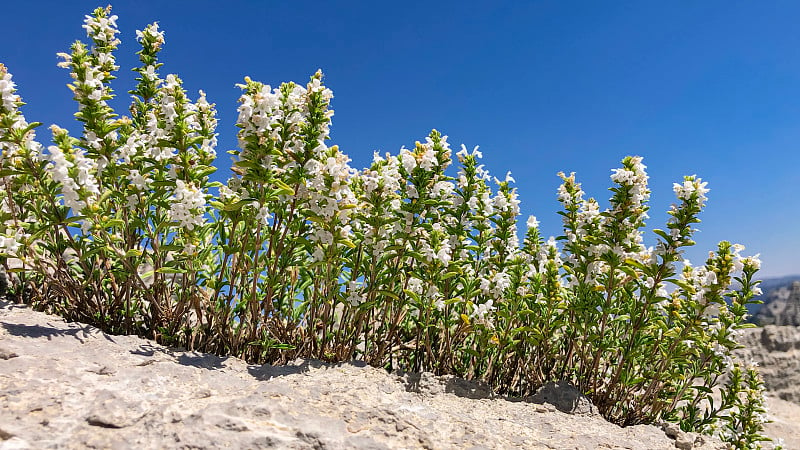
407	264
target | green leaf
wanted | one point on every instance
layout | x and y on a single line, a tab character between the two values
347	243
389	294
704	389
283	188
246	164
662	233
113	223
414	296
169	270
31	126
133	252
94	251
74	219
202	171
416	255
147	274
235	206
105	195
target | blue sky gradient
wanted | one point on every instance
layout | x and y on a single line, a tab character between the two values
709	88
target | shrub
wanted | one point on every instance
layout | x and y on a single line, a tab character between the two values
401	264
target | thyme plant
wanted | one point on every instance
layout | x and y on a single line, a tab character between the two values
409	264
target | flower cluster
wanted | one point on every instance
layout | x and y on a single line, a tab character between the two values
17	136
7	92
187	205
19	152
77	192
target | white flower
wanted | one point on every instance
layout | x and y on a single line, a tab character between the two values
630	176
415	285
162	153
428	159
7	94
324	237
501	281
86	167
153	32
691	186
354	297
480	311
500	202
532	222
563	194
10	244
187	205
443	255
710	278
189	249
132	201
102	29
70	189
263	215
408	160
485	284
443	188
137	180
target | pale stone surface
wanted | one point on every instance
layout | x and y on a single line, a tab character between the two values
776	349
70	386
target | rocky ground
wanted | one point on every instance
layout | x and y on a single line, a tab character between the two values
68	385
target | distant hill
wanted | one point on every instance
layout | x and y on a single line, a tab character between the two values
781	299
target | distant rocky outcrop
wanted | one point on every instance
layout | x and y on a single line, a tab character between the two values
776	349
770	288
781	306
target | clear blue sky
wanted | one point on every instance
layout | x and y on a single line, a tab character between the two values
709	88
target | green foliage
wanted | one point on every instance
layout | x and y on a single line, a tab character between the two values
403	265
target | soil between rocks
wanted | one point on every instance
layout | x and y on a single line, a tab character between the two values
68	385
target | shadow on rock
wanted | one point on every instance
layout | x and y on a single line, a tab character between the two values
193	359
561	395
430	384
565	397
298	366
49	332
202	361
6	303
